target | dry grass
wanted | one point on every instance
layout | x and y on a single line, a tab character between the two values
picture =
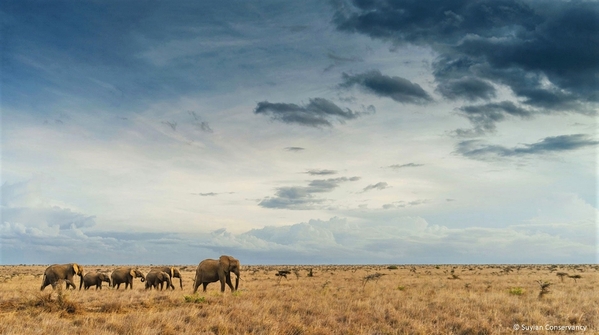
336	300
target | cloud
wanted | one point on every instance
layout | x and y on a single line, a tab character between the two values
302	197
320	172
484	117
398	166
396	88
317	113
479	150
468	88
199	124
403	204
294	149
377	186
545	52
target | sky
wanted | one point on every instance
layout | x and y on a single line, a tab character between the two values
304	132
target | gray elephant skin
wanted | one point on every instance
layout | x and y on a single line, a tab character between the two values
213	270
125	275
56	272
155	278
172	272
93	278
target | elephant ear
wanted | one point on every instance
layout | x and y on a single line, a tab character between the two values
225	262
132	273
78	270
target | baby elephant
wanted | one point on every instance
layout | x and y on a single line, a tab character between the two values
94	278
155	278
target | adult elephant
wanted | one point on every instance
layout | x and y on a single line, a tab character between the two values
155	278
172	272
56	272
94	278
125	275
212	270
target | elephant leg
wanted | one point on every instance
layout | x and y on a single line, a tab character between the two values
205	285
229	283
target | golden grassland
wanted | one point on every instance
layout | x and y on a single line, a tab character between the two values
428	299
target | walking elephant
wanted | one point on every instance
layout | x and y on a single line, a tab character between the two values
56	272
94	278
125	275
155	278
212	270
172	272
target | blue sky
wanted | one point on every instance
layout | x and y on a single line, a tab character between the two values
299	133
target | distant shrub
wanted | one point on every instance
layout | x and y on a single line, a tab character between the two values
401	288
194	299
392	267
516	291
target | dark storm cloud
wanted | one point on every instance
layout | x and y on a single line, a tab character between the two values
468	88
396	88
484	117
302	197
547	53
317	113
479	150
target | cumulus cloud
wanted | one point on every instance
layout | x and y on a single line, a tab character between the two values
303	197
480	150
396	88
317	113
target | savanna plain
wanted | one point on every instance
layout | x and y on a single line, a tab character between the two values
333	299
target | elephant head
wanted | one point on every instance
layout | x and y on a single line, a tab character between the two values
137	274
229	264
78	270
105	277
176	274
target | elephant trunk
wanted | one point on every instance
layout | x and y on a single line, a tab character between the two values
80	281
181	282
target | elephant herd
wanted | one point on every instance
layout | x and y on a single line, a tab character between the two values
208	271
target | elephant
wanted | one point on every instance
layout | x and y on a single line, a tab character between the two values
56	272
155	278
94	278
212	270
172	272
125	275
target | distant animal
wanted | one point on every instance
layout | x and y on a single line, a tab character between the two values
172	272
125	275
56	272
212	270
155	278
283	273
94	278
